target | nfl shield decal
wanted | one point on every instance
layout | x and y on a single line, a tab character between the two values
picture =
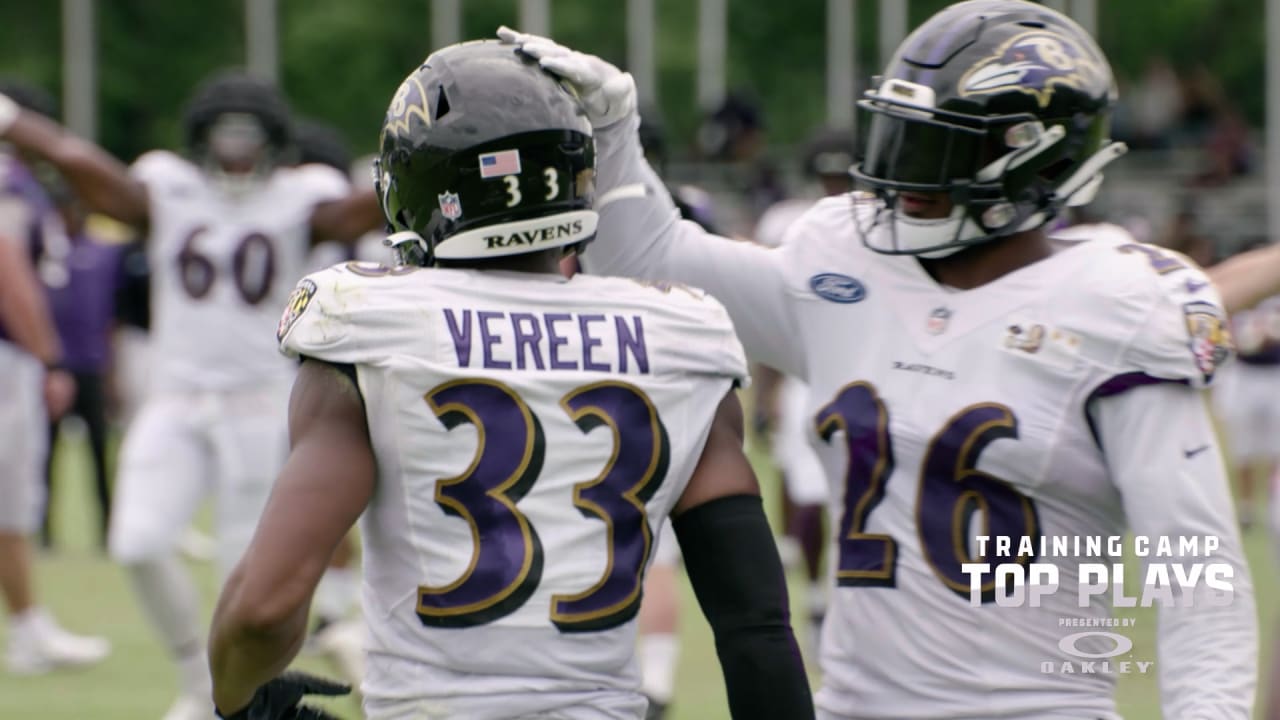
450	205
938	320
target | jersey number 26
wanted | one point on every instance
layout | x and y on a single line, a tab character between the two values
952	490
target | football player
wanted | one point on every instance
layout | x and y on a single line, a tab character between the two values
518	438
1246	401
973	380
34	388
228	225
780	400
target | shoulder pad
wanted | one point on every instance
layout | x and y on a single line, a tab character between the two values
162	166
1183	333
324	183
329	312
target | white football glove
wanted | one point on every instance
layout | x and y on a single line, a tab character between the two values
9	111
607	93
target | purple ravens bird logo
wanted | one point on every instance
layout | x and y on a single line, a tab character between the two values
410	101
1035	63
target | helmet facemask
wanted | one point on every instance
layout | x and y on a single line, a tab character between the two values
238	155
1003	174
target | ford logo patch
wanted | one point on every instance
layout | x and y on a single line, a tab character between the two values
837	288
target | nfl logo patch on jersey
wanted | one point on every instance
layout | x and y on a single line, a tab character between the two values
450	205
938	321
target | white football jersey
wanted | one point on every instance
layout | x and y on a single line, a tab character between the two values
222	267
942	416
532	434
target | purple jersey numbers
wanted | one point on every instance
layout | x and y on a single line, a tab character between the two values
1161	260
951	491
617	497
506	562
507	559
865	559
253	267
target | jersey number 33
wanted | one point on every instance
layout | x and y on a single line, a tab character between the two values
507	557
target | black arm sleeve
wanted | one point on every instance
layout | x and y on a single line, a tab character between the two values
733	563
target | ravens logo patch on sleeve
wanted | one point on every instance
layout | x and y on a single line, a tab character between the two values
1210	340
299	299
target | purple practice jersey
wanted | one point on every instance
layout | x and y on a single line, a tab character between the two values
83	305
26	212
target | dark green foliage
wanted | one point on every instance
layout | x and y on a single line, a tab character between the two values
341	60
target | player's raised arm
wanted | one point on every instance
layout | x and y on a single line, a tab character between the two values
640	232
1247	279
260	620
99	179
346	219
1161	450
738	578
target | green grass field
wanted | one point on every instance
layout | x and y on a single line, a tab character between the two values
88	593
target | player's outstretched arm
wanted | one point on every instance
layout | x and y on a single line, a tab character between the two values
1160	446
346	219
640	233
101	181
260	620
733	563
1247	279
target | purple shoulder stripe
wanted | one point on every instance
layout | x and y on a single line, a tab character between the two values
1119	384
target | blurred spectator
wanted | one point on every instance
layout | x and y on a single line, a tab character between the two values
30	357
81	276
1228	148
1185	237
1155	105
735	133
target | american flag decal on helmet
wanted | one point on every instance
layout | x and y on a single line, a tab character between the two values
497	164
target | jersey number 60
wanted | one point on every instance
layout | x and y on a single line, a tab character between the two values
506	561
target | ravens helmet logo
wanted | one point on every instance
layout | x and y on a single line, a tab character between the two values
1034	63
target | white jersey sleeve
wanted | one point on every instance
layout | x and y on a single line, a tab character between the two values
321	182
162	171
1160	449
642	236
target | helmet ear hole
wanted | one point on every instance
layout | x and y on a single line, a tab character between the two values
442	104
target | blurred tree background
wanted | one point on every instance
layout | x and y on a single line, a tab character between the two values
341	60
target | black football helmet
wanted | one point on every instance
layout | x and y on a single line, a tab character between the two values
320	143
1002	104
484	154
245	113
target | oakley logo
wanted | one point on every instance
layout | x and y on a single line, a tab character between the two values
1071	644
837	288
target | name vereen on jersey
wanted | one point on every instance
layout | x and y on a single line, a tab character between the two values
516	339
